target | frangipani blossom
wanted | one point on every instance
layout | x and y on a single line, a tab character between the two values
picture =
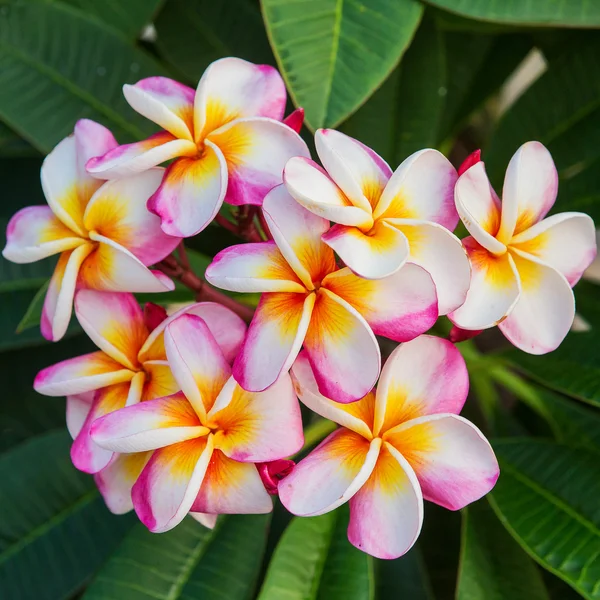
395	447
523	265
308	301
385	219
130	366
205	438
227	138
103	232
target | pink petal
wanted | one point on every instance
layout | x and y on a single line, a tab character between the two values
256	151
232	88
231	487
495	287
471	160
258	426
295	120
330	475
422	187
387	512
91	140
78	407
544	312
208	521
34	233
454	463
423	377
399	307
154	315
342	349
274	338
529	191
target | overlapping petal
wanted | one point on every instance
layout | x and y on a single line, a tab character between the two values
91	140
78	407
159	380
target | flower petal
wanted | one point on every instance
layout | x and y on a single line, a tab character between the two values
311	186
114	322
86	455
399	307
78	407
34	233
231	487
112	268
258	426
356	416
376	254
232	88
274	338
118	212
423	377
330	475
422	187
196	360
565	242
130	159
545	310
454	463
58	303
226	327
148	425
529	191
479	207
253	268
80	374
159	380
165	102
355	170
256	151
342	349
297	233
116	480
191	193
167	487
387	512
442	255
208	521
493	291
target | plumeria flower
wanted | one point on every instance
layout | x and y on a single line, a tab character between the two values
103	233
523	265
227	138
395	447
205	438
308	301
129	367
384	219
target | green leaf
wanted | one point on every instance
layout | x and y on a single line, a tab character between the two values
54	61
403	578
547	497
335	53
315	561
193	33
575	13
55	530
33	314
492	565
581	192
396	123
186	563
12	145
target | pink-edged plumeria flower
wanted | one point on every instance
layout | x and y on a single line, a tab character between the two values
308	301
130	367
103	232
523	265
206	438
227	138
384	219
394	448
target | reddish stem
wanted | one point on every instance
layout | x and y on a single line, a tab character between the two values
226	223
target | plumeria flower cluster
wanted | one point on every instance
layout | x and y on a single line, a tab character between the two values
198	413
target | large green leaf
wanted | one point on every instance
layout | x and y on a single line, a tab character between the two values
193	33
55	530
188	562
574	13
402	116
492	565
315	561
57	66
547	497
403	578
335	53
